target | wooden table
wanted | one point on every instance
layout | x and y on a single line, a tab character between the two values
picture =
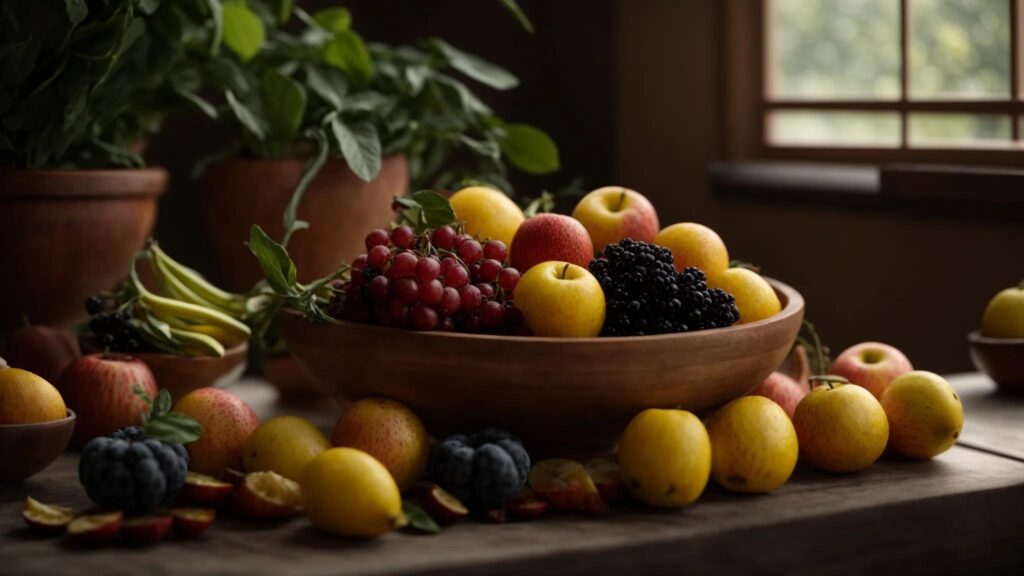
962	512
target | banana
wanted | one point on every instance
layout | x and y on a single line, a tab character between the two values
168	307
200	344
217	333
233	304
176	289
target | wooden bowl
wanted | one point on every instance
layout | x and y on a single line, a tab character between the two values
28	448
568	397
1001	359
181	375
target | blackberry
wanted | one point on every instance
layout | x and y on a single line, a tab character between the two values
644	293
114	331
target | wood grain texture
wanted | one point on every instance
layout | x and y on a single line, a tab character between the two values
993	420
566	396
28	448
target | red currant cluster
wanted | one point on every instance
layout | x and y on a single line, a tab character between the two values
439	280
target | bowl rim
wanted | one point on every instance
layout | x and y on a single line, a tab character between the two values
45	424
794	305
228	354
975	337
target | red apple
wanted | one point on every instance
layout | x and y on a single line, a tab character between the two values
442	506
526	506
46	519
607	477
145	530
781	389
551	237
566	486
95	528
205	491
613	213
41	350
872	365
227	422
191	522
100	389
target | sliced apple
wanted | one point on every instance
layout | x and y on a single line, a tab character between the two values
566	486
526	505
607	477
46	519
442	505
232	476
205	491
191	522
267	496
145	530
95	528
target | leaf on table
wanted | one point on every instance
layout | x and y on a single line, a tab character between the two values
418	518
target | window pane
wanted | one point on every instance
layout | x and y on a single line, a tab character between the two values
959	130
834	128
959	48
843	49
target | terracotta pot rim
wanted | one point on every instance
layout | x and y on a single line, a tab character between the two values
235	354
83	184
295	160
70	418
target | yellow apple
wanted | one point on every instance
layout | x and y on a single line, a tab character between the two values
612	213
755	297
925	414
487	213
562	300
697	245
1004	315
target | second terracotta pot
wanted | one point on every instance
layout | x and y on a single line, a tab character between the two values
339	207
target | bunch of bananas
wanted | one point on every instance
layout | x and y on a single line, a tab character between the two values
191	316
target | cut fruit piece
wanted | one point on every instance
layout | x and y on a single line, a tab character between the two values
442	506
46	519
566	486
191	522
232	476
267	496
205	491
526	506
95	528
607	477
145	530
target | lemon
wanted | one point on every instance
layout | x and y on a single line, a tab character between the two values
487	213
755	297
841	428
753	445
925	414
26	398
286	445
665	457
349	493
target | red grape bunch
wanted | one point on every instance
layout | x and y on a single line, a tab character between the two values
437	280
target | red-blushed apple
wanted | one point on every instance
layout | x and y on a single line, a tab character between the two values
95	529
551	237
227	422
612	213
191	522
561	300
566	486
100	389
607	476
781	389
441	505
145	530
205	491
872	365
526	505
42	350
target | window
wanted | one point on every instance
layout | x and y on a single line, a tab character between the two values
877	80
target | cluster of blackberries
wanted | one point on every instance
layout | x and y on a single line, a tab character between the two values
113	329
644	293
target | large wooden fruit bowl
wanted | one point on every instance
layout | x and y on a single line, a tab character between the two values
568	397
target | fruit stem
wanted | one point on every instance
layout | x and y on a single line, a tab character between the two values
819	351
829	380
565	270
622	200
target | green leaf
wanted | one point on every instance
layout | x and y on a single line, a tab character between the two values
486	148
530	149
418	518
173	427
475	67
243	30
217	14
348	53
282	10
161	404
334	19
249	121
198	101
76	10
285	103
148	7
426	209
330	85
273	258
360	146
516	11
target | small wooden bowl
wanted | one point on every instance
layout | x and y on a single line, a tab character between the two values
181	375
563	396
1001	359
28	448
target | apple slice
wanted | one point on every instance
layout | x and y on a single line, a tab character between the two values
95	528
205	491
566	486
442	505
526	505
145	530
191	522
232	476
267	496
607	477
46	519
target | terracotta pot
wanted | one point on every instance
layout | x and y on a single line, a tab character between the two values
66	234
339	207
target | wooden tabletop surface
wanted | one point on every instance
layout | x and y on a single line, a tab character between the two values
961	512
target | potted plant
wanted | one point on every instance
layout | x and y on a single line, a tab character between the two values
330	128
82	84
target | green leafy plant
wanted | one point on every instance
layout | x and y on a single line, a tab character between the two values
159	423
83	83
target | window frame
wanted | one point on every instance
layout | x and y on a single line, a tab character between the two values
746	60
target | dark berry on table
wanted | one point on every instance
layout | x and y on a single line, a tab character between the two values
484	470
